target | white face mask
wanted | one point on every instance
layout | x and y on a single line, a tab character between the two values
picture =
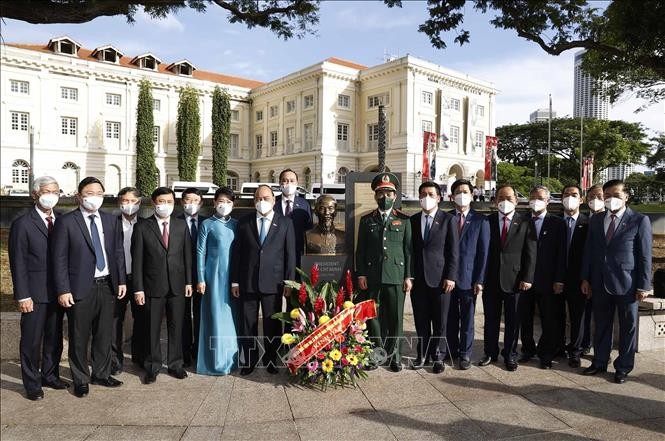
463	199
613	204
571	202
163	210
224	208
48	200
506	207
596	204
191	209
129	209
92	203
428	204
264	207
537	205
289	189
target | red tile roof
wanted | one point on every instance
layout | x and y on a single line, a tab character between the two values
346	63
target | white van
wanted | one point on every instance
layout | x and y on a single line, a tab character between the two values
337	191
248	189
207	188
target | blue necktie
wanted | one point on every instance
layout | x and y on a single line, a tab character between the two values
263	233
194	231
571	226
97	243
428	227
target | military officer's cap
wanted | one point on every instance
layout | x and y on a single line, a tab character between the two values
385	181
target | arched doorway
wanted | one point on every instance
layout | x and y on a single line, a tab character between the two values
71	176
271	176
20	174
480	179
232	180
341	175
112	181
456	171
257	177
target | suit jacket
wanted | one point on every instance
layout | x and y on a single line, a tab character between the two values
263	268
622	265
515	262
576	253
473	249
384	254
301	215
157	270
195	273
551	253
74	255
29	262
437	259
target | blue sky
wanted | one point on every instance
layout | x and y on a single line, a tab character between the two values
358	31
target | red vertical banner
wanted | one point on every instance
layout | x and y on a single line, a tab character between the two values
587	172
490	149
425	171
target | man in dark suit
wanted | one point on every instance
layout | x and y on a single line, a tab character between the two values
162	270
616	271
474	231
290	204
435	257
510	266
547	289
577	225
263	256
129	201
192	201
41	316
89	269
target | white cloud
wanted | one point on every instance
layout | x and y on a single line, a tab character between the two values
381	20
168	23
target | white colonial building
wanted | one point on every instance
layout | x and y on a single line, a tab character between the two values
320	121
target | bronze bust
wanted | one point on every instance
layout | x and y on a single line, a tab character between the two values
324	238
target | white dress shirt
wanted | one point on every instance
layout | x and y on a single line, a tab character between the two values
538	221
291	198
100	229
608	219
423	221
189	218
44	216
269	216
127	229
510	220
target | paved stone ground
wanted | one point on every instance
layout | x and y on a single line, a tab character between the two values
478	404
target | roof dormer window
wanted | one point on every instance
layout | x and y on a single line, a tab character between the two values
183	67
67	48
64	45
146	61
107	54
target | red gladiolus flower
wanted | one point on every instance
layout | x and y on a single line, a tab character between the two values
302	294
358	348
319	304
339	301
314	274
320	355
345	350
345	362
348	282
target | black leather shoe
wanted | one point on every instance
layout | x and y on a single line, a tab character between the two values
150	378
417	363
395	367
544	364
511	367
272	369
620	377
106	382
438	367
34	395
81	390
371	367
593	370
464	364
177	373
486	360
246	371
574	362
57	384
586	351
116	370
524	358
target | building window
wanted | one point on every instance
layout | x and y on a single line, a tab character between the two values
454	104
308	102
17	86
427	126
20	172
234	144
273	143
343	137
341	175
308	134
235	115
290	138
20	121
69	93
259	146
427	98
232	180
454	135
67	47
378	100
259	115
112	130
480	111
109	55
68	126
156	138
478	143
148	63
291	106
113	99
274	111
373	136
344	101
156	105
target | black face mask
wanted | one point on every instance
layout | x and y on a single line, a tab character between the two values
386	203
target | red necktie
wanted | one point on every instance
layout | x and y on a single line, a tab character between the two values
610	229
165	234
460	227
504	231
288	208
49	224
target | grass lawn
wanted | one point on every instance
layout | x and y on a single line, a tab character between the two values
648	208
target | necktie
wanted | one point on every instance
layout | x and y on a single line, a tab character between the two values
504	231
610	229
49	224
263	233
194	231
460	227
165	234
571	226
96	243
384	216
535	224
288	208
428	227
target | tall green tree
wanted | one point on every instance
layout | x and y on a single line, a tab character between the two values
524	178
188	132
221	134
611	143
146	170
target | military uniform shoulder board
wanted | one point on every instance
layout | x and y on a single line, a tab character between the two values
400	213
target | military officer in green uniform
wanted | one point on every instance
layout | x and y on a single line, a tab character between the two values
384	265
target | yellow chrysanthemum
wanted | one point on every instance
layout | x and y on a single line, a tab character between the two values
288	339
348	304
352	359
363	326
327	366
335	354
324	319
295	313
